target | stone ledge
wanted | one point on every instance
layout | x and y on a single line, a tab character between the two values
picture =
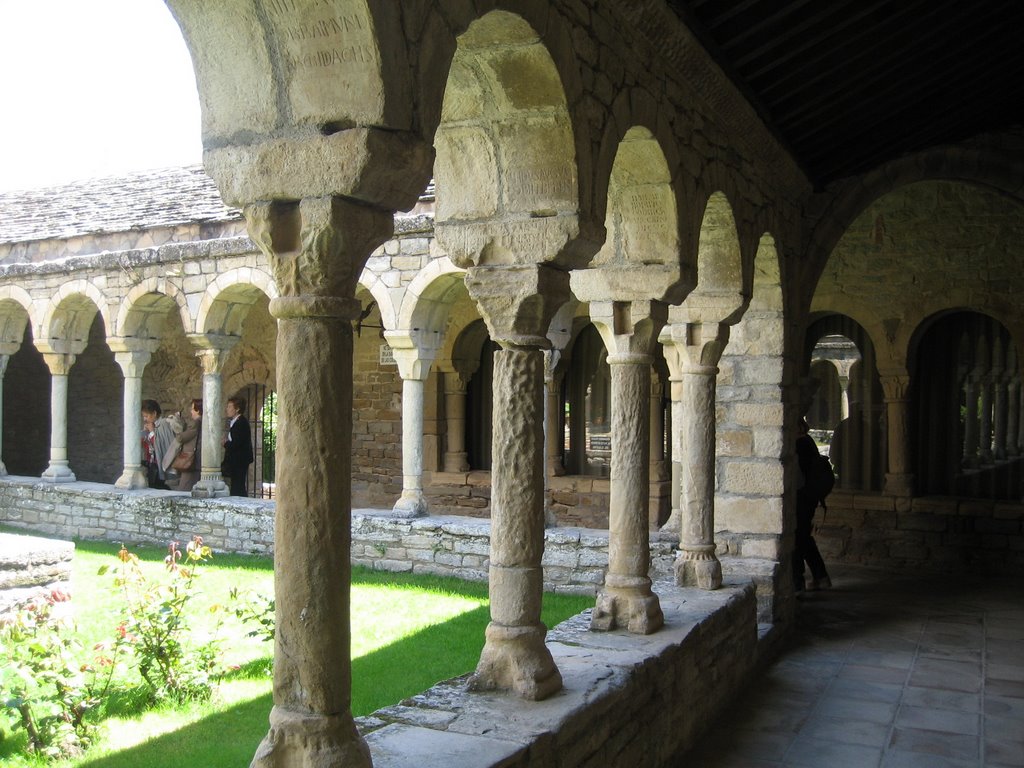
613	681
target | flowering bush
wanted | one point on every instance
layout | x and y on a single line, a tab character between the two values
40	681
171	660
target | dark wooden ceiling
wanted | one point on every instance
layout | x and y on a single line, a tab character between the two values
847	85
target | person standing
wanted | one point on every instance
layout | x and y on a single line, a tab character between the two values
807	498
190	444
237	447
157	437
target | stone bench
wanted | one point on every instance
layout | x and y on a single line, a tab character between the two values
32	567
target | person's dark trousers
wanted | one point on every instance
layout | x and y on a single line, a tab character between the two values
237	483
806	548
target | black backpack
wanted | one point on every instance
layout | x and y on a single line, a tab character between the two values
822	479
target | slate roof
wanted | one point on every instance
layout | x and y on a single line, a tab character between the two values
147	199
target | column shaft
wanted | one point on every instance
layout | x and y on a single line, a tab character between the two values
626	599
514	655
312	537
4	359
211	483
412	503
697	564
1000	418
971	422
455	458
133	476
58	471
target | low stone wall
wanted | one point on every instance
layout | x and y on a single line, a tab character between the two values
628	700
32	567
935	534
575	559
100	512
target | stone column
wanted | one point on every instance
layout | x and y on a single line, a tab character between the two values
5	358
1013	417
212	355
132	363
657	448
517	303
899	481
455	458
60	366
700	346
675	379
630	332
316	249
970	420
554	435
985	421
413	366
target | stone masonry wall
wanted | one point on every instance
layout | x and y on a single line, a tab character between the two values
628	699
930	534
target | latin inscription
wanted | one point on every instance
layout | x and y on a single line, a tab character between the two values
332	40
540	183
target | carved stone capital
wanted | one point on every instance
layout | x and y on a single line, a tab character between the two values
628	327
518	302
213	359
895	386
699	346
317	248
414	351
132	363
59	363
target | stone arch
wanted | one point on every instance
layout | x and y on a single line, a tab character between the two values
721	278
642	256
15	313
382	295
68	317
506	160
921	329
142	311
263	65
227	300
986	166
430	294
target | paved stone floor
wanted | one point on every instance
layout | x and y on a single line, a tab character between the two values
889	672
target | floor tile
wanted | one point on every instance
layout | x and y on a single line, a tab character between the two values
806	751
954	745
944	720
938	699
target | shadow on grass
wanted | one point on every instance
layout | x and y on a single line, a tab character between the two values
383	677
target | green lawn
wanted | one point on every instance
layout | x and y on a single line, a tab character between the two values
408	632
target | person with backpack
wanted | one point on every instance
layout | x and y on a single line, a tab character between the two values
816	482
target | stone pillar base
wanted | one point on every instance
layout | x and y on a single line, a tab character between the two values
411	504
516	659
210	488
627	602
314	741
698	569
58	472
132	479
3	469
899	485
456	462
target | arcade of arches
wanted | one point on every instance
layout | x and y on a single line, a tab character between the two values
614	310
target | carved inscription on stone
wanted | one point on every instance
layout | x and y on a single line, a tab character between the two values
318	36
535	185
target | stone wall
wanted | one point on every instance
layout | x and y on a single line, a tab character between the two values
575	559
628	699
930	534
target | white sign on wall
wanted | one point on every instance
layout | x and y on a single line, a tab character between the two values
387	356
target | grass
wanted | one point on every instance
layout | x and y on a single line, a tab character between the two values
408	632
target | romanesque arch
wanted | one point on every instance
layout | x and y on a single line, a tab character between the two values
141	315
506	166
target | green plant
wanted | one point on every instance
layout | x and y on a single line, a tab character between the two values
42	684
155	628
253	608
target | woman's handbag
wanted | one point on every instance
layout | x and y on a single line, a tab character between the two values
184	461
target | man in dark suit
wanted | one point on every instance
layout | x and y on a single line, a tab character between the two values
237	447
